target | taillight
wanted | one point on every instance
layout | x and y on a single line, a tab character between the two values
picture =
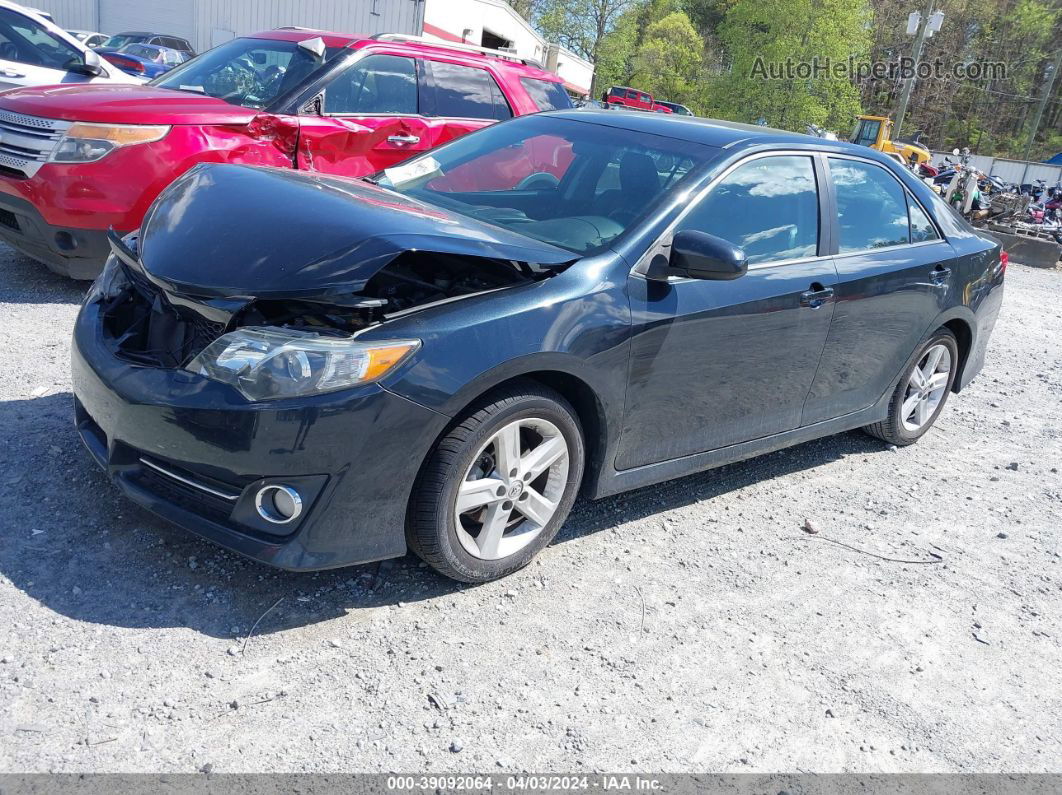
1004	260
127	63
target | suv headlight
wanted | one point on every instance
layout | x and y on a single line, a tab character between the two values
85	142
267	363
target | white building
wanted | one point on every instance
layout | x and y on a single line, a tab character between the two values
207	23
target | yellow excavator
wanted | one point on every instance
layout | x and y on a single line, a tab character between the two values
875	132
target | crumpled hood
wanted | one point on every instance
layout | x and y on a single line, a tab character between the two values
228	230
123	104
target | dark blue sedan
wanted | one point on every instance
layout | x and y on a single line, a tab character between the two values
316	372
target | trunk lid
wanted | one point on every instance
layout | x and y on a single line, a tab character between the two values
123	104
231	230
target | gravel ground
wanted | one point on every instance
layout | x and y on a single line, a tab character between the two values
689	626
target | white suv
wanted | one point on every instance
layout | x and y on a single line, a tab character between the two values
36	52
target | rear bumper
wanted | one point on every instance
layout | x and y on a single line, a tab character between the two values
76	253
196	453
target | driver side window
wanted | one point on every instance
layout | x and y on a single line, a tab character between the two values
375	84
24	41
769	207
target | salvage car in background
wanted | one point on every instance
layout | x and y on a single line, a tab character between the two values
146	60
95	158
674	107
448	351
89	38
633	99
34	51
119	41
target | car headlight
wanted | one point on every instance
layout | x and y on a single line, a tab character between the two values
267	363
84	142
110	283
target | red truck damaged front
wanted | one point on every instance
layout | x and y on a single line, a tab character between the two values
76	161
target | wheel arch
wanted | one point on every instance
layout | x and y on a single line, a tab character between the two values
960	321
554	372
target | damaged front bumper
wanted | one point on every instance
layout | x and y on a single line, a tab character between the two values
196	453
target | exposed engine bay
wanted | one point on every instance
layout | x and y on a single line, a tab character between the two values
412	280
155	328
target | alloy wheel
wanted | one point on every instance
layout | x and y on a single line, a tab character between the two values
512	489
925	388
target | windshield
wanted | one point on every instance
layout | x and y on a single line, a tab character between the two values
122	39
573	184
248	72
866	132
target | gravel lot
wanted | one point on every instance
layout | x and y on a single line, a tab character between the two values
690	626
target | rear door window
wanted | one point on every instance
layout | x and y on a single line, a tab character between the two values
922	229
375	84
769	207
546	94
871	206
466	92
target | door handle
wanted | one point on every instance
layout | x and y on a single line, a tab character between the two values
940	274
403	139
816	296
11	73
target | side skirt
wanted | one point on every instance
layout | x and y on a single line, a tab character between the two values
627	479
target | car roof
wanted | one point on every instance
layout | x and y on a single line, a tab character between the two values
710	132
412	46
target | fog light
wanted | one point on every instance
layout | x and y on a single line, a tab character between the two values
278	504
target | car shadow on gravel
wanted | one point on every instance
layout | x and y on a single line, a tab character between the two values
592	517
26	281
75	544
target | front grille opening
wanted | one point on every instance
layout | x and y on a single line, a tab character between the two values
188	497
10	220
147	329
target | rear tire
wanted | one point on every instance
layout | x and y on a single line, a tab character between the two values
475	514
921	393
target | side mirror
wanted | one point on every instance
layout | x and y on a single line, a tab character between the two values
698	255
92	66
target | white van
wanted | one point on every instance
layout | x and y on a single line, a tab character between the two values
36	52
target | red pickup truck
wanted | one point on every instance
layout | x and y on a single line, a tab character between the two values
78	160
624	97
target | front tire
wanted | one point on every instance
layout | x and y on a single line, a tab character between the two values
499	485
921	393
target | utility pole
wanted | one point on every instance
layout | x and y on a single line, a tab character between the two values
1043	104
927	24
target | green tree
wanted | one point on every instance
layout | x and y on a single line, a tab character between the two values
615	65
580	25
669	62
760	33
